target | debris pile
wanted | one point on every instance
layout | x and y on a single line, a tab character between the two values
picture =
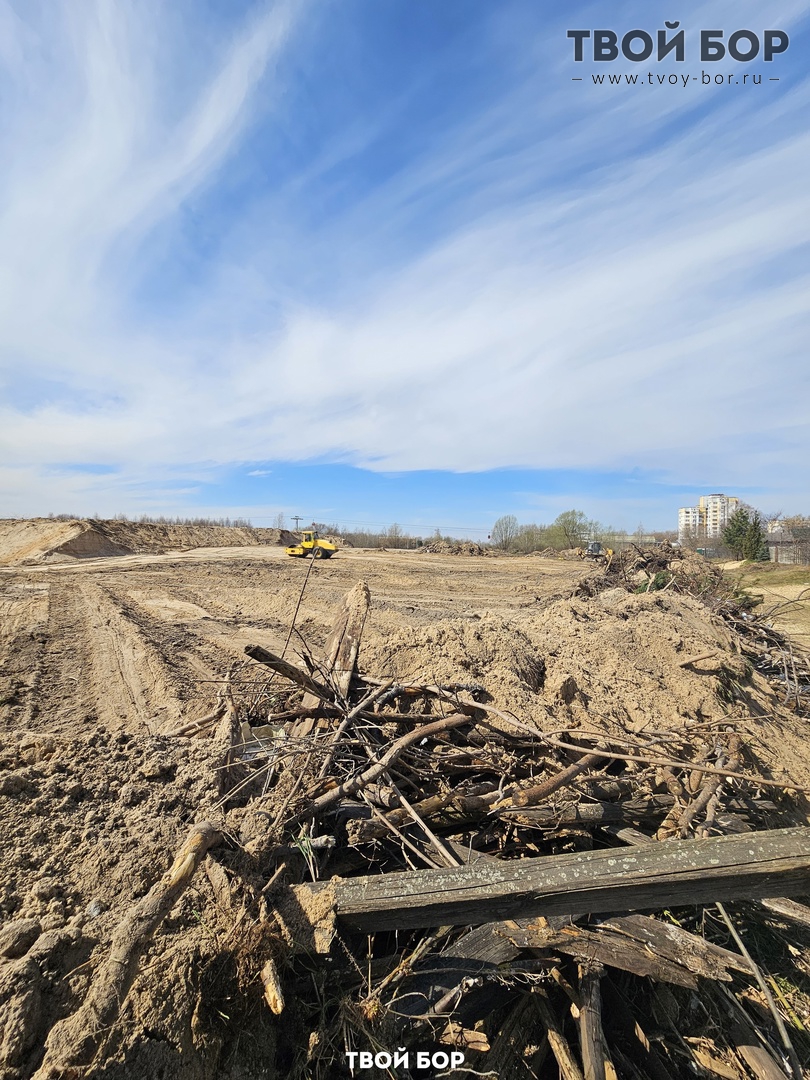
569	843
454	547
45	540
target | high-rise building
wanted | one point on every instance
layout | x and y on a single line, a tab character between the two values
708	519
718	509
688	522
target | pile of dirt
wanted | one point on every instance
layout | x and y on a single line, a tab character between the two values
332	538
47	540
613	662
461	547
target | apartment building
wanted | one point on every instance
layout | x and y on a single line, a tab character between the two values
708	519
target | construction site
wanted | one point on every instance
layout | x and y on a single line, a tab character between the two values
397	814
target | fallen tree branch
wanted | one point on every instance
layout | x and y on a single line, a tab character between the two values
378	767
531	796
74	1041
290	671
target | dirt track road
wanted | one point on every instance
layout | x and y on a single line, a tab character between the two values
138	641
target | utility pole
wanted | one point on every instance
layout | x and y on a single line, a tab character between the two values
296	518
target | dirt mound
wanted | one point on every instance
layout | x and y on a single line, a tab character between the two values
31	541
45	540
617	661
462	547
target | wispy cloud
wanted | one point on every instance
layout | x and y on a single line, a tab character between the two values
230	257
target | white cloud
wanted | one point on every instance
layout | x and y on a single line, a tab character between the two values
648	313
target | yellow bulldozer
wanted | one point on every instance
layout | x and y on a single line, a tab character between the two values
596	552
312	544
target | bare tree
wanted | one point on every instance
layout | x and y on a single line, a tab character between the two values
504	531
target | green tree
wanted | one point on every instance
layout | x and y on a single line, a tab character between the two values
574	526
735	531
745	535
504	532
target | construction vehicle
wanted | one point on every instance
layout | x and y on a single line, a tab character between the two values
312	544
594	550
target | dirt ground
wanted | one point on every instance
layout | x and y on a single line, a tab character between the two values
101	659
784	592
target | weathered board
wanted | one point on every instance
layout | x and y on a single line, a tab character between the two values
746	866
343	643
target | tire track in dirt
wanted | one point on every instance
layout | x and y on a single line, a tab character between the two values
97	667
207	644
134	687
61	702
24	607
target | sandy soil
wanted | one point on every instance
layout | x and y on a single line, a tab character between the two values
785	593
137	640
102	658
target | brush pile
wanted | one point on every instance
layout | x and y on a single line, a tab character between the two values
453	836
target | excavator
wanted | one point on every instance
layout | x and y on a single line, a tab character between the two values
312	544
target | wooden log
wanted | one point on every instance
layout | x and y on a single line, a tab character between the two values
650	809
569	1069
289	671
739	867
343	643
533	795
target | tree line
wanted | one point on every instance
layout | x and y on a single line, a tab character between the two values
571	529
162	519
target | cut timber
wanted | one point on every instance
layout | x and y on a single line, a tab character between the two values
788	909
741	867
343	643
634	943
591	1037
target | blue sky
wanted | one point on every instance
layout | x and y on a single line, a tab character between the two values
377	262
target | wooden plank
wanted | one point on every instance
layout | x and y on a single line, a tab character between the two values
739	867
615	950
788	909
591	1037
